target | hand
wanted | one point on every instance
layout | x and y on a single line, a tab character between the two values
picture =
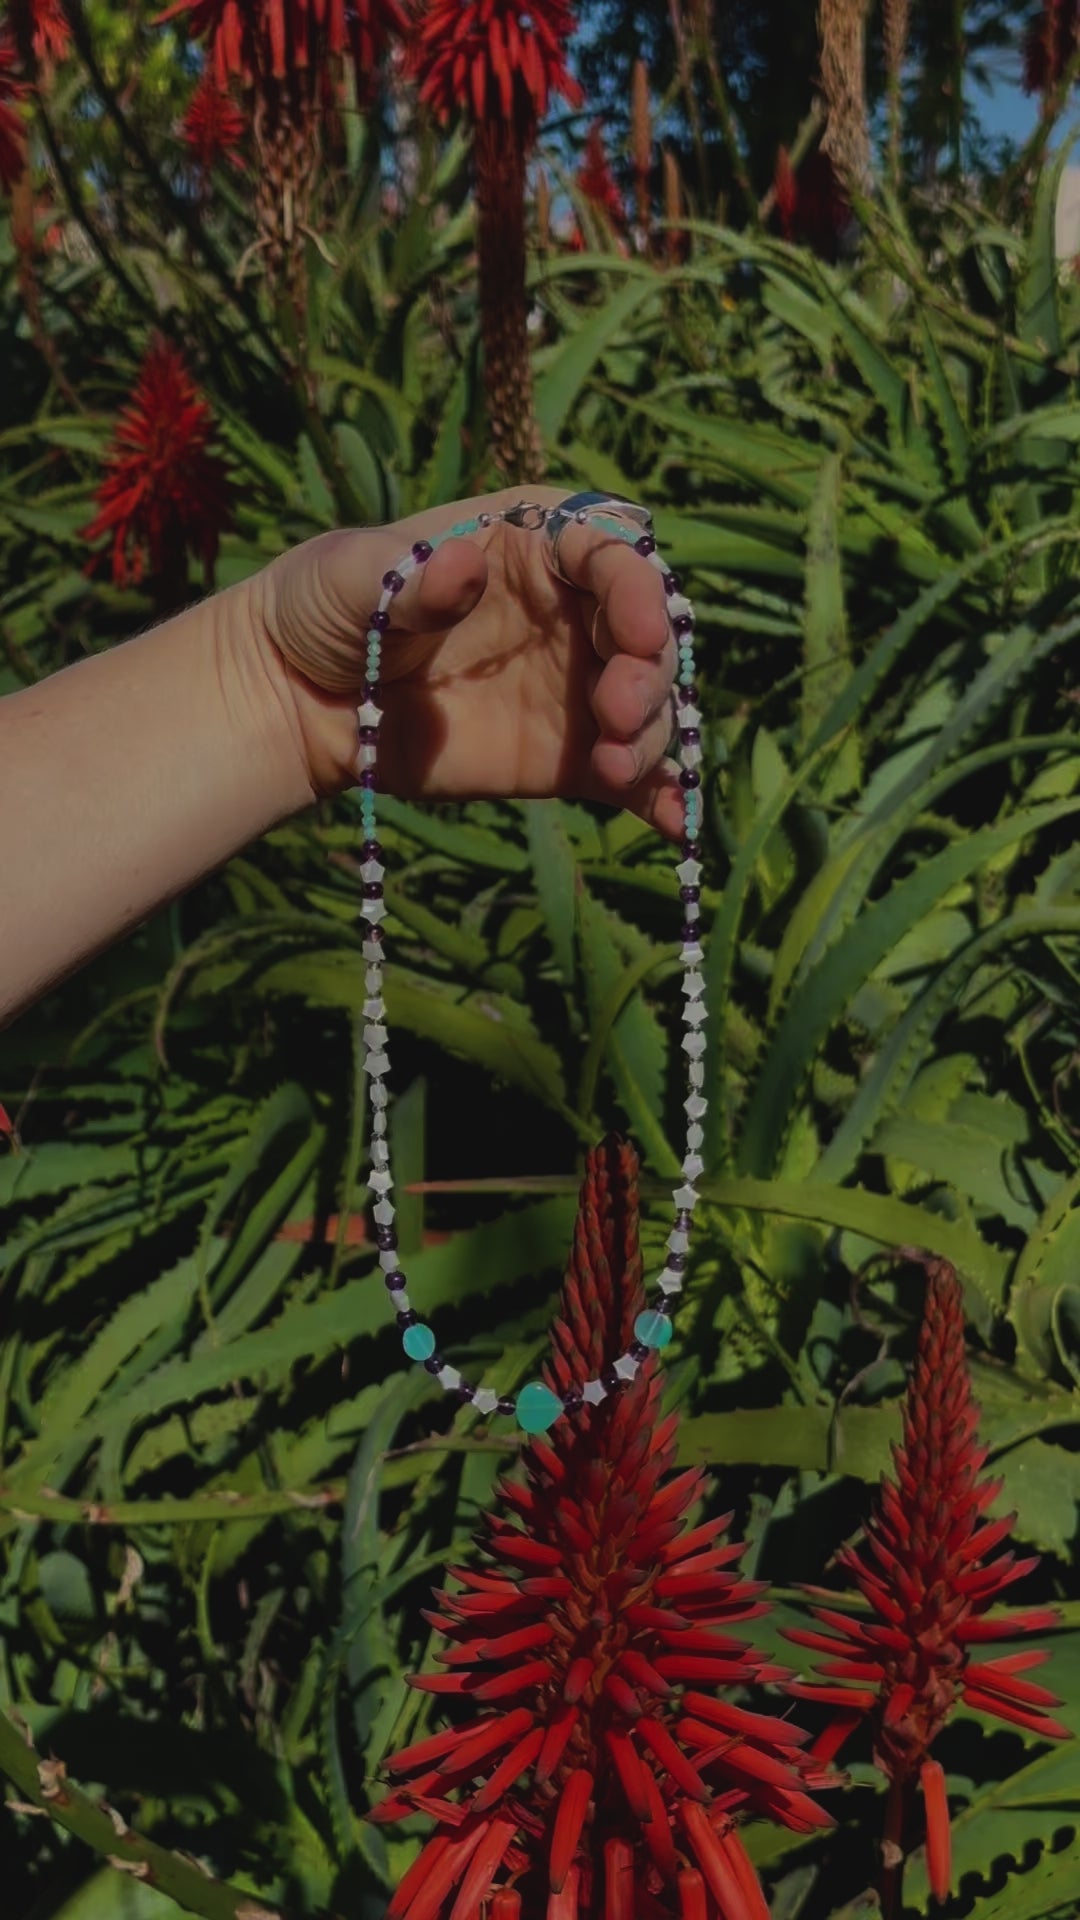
492	682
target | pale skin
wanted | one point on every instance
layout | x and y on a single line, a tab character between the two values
127	777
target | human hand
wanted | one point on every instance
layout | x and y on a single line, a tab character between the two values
492	683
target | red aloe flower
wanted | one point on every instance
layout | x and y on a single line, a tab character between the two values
12	131
254	39
1050	42
498	61
930	1568
596	180
596	1768
44	23
165	490
213	125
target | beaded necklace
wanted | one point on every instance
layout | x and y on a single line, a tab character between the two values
535	1406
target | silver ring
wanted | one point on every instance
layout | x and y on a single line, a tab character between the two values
577	510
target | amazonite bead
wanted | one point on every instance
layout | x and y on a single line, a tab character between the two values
537	1407
418	1342
652	1329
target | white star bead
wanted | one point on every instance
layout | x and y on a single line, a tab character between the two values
678	603
693	953
374	1036
376	1064
401	1302
371	870
694	1045
690	756
695	1072
693	1165
369	714
378	1120
693	983
678	1240
689	717
626	1367
686	1199
372	950
694	1135
696	1106
448	1378
380	1179
373	976
377	1094
594	1391
388	1259
695	1013
367	754
374	1008
692	910
689	873
485	1400
383	1212
380	1153
670	1282
373	910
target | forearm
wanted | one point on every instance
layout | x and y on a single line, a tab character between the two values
126	778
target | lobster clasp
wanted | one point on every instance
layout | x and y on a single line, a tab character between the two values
527	514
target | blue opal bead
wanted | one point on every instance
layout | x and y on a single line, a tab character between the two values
652	1329
418	1342
537	1407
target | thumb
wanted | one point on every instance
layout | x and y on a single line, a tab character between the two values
328	589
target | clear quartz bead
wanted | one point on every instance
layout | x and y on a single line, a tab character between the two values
383	1212
367	754
371	870
696	1106
373	979
374	1036
373	910
694	1014
377	1094
670	1282
678	1240
594	1391
376	1064
695	1072
485	1400
369	714
626	1366
689	716
378	1119
372	950
380	1179
693	953
693	984
388	1259
380	1153
449	1379
374	1008
694	1045
695	1135
686	1199
689	873
693	1165
690	755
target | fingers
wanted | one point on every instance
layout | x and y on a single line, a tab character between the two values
656	797
631	692
627	586
333	584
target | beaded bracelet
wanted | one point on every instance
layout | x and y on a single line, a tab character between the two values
535	1406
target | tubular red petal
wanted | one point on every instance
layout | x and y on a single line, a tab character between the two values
745	1875
578	1675
427	1862
718	1871
518	1548
658	1835
684	1667
660	1743
618	1881
622	1696
938	1834
425	1751
655	1619
485	1862
692	1895
754	1726
486	1739
558	1733
564	1905
1018	1716
631	1772
1006	1625
829	1741
641	1673
519	1680
506	1905
994	1676
509	1769
569	1820
504	1646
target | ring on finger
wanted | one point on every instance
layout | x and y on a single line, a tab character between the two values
577	510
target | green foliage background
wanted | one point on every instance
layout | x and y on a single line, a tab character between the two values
221	1501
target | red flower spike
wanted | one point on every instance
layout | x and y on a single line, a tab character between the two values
608	1792
938	1835
261	40
596	180
493	59
165	491
42	25
922	1565
12	130
213	126
1049	45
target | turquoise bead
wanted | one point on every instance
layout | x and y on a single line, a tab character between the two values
418	1341
652	1329
537	1407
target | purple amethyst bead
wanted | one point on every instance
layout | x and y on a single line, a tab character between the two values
573	1399
372	889
395	1282
507	1404
683	1219
392	582
369	691
682	623
435	1362
422	551
689	893
637	1351
367	779
690	777
380	620
689	932
369	736
371	850
406	1319
672	583
690	736
386	1239
465	1393
611	1380
676	1261
645	545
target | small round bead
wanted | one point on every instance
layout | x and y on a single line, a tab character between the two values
610	1379
435	1362
683	1219
690	736
386	1239
645	544
638	1351
682	623
465	1392
689	893
374	934
369	736
407	1319
690	777
506	1404
672	584
380	619
372	890
392	582
573	1400
367	778
676	1261
395	1282
653	1328
484	519
371	850
422	551
369	691
689	932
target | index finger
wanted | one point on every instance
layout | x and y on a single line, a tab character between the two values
628	585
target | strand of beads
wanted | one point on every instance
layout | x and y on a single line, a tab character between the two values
535	1407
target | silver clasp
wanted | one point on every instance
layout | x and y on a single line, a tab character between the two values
527	514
